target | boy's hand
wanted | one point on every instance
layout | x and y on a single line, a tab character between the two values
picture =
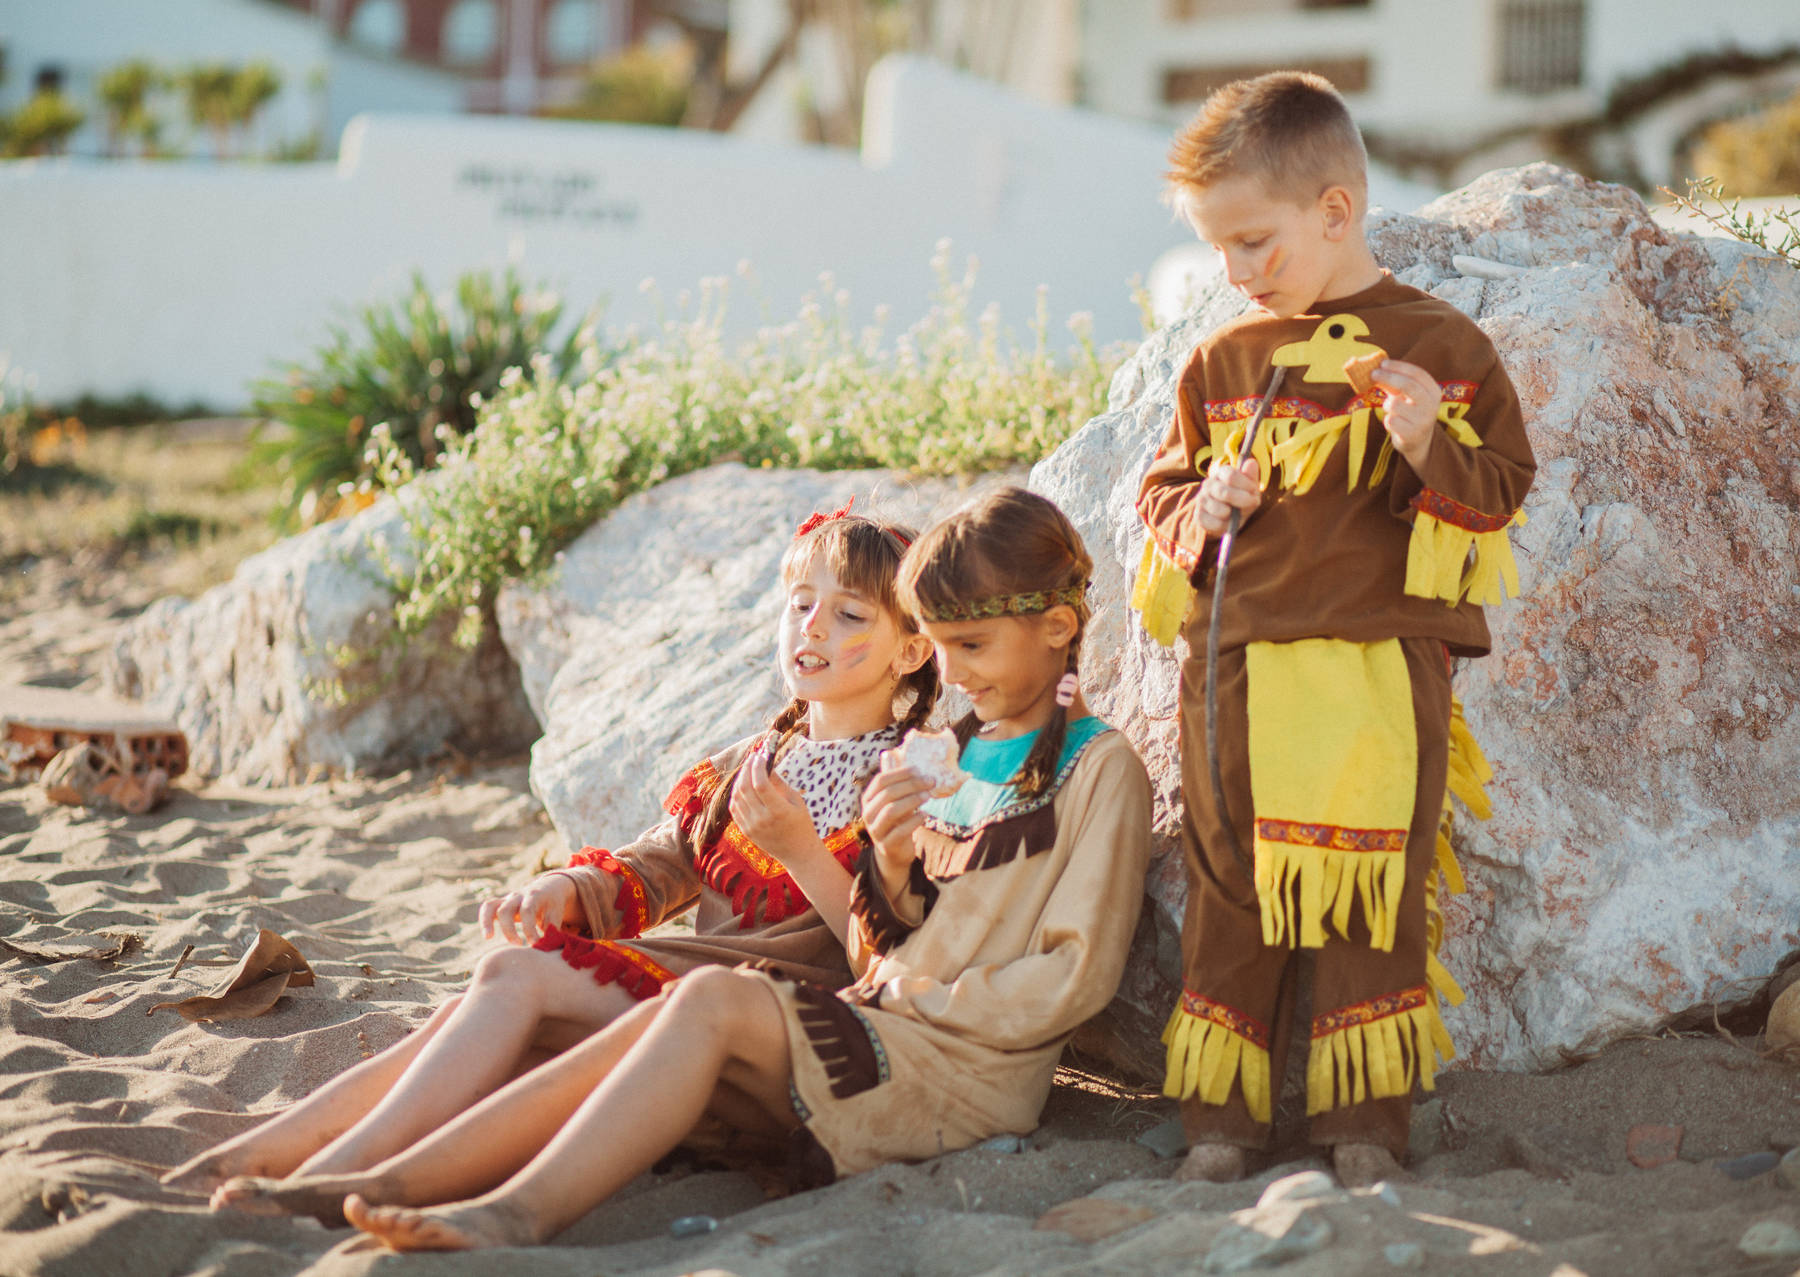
1227	488
772	813
1411	407
891	804
523	916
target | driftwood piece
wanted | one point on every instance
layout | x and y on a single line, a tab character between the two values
271	967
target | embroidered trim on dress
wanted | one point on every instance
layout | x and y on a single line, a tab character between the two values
1388	1004
632	902
845	1042
634	972
1249	1028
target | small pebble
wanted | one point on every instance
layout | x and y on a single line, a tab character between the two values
1388	1193
1748	1166
1404	1254
1770	1239
1239	1248
1299	1187
1787	1170
1166	1139
1002	1144
693	1226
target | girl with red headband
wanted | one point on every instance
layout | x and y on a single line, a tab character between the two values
759	842
985	931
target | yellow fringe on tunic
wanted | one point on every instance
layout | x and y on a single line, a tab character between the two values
1438	564
1162	594
1375	1050
1205	1056
1469	774
1333	770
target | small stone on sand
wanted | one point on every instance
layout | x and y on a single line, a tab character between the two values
1648	1146
1770	1239
1088	1219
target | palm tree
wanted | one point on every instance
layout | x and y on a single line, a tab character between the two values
208	87
251	89
123	91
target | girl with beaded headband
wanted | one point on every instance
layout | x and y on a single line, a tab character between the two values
975	963
758	842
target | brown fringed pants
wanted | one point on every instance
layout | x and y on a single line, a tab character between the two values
1224	959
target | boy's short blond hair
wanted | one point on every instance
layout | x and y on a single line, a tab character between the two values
1288	129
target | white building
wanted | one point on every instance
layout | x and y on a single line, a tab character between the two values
1440	71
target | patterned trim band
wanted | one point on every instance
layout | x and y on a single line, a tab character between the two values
1028	604
1384	1007
1447	510
1202	1007
1332	837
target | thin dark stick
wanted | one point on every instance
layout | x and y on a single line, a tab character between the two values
1212	633
180	962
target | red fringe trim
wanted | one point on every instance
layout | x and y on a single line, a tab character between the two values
611	963
632	902
688	799
760	889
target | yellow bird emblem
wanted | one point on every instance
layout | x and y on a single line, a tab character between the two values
1323	354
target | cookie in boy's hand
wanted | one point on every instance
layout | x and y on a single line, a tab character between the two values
933	755
1361	370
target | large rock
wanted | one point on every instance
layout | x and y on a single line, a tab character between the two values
653	644
1639	707
292	665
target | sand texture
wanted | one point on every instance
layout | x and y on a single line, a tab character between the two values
377	882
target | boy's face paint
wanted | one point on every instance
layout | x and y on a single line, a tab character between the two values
1284	256
835	644
1004	665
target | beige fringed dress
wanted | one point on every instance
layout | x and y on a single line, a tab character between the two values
1013	931
746	906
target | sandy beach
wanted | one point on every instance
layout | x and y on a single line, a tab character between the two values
377	881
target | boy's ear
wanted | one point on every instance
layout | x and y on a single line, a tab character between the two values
915	650
1337	208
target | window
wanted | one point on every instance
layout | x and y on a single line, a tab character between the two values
1540	45
572	31
379	25
1191	84
471	33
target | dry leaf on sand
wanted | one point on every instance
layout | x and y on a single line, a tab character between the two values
270	968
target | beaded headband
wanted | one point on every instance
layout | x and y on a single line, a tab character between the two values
1028	604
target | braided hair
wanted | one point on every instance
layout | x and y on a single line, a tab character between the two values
1011	541
864	555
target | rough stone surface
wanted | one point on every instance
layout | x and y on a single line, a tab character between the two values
243	669
1267	1237
1639	707
1783	1030
654	645
1648	1146
1770	1239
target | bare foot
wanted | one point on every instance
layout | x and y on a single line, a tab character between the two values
321	1196
1362	1165
206	1172
1214	1163
441	1228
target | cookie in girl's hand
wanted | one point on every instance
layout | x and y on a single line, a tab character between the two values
933	755
1361	370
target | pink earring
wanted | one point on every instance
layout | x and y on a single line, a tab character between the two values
1066	689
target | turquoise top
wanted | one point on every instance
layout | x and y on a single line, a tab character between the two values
992	764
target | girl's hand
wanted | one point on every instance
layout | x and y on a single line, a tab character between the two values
523	916
1411	407
891	804
1227	488
773	814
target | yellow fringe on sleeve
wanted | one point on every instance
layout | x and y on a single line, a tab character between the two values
1375	1051
1205	1056
1161	594
1438	566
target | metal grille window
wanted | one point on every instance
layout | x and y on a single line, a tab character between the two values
1540	44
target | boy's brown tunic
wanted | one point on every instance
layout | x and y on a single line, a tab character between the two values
1008	940
1327	562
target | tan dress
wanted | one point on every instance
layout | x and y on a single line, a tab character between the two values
746	906
1013	932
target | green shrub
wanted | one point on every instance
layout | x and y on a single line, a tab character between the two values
1775	230
412	366
43	125
550	454
1756	155
642	85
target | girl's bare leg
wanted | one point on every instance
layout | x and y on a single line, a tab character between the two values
716	1028
520	998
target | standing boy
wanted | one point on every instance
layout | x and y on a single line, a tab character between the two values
1374	527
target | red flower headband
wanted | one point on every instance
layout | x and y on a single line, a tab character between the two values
817	520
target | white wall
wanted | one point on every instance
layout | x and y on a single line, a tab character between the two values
1630	37
188	280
